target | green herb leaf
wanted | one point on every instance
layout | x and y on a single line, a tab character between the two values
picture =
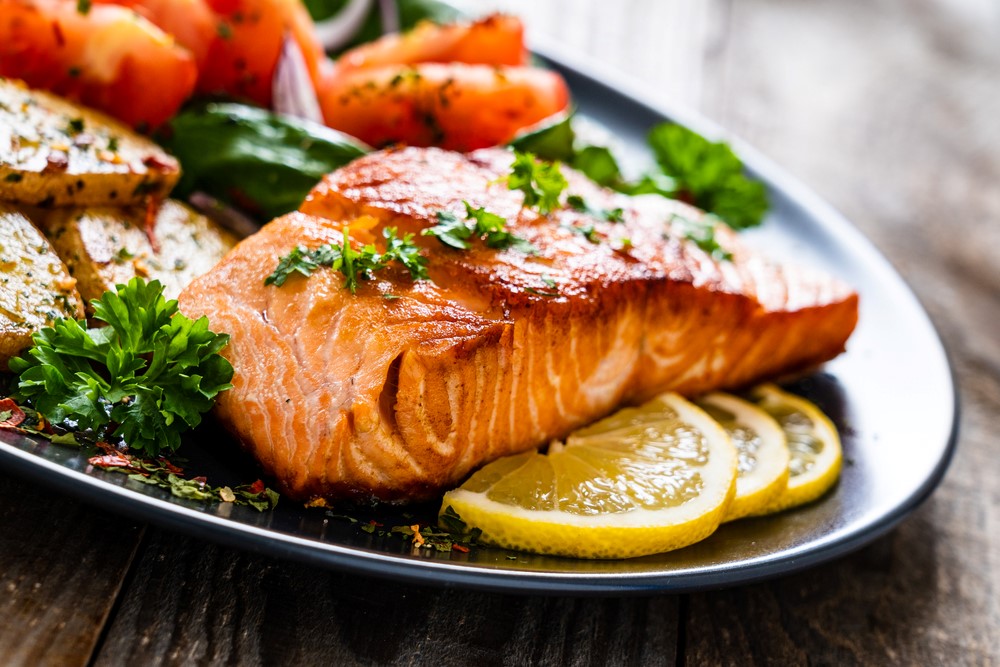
146	377
577	203
355	264
490	227
83	6
541	182
552	141
709	175
599	165
65	439
450	231
493	230
587	231
260	162
299	260
404	251
702	234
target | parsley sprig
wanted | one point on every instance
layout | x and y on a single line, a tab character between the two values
709	175
354	263
145	378
541	182
490	227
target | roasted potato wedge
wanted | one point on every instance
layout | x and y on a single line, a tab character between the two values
104	247
35	286
55	153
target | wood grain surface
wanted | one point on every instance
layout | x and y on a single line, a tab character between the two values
890	110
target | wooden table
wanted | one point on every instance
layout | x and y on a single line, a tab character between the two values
891	110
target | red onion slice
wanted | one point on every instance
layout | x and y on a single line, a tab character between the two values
294	93
222	213
337	31
390	16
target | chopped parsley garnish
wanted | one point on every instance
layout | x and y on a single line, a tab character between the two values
163	474
579	204
83	6
490	227
145	378
587	231
451	532
702	234
450	230
76	125
355	264
551	285
541	182
123	255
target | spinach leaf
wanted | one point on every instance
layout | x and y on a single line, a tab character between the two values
252	159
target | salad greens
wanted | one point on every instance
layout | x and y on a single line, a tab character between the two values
252	159
690	168
146	377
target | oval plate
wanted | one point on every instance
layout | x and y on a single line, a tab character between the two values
895	368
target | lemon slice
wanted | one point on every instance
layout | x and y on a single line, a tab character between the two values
763	457
813	444
645	480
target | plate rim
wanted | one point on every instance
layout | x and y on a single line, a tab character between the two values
498	579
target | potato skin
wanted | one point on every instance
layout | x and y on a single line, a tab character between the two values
105	246
56	153
35	286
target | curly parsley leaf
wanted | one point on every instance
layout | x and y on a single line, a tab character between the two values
709	175
490	227
356	264
146	377
541	182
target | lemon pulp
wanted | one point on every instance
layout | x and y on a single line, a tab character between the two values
645	480
762	451
815	454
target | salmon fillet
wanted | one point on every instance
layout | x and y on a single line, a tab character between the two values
343	395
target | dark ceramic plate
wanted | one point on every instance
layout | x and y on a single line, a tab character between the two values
891	396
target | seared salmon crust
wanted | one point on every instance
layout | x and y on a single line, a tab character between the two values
401	390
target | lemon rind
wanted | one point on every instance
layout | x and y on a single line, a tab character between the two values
812	485
620	535
769	482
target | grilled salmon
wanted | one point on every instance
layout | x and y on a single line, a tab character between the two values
402	389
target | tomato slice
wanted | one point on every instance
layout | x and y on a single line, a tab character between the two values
455	106
495	40
105	58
